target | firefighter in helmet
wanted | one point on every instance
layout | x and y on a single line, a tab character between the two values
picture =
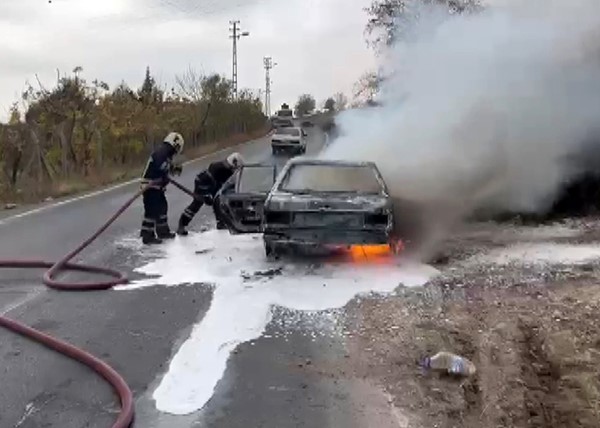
155	225
206	185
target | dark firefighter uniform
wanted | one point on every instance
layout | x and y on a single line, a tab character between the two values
207	184
155	226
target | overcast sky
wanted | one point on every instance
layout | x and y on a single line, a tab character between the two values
318	44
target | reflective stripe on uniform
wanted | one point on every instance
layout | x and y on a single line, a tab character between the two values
148	224
163	219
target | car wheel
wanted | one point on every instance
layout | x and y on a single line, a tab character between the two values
271	250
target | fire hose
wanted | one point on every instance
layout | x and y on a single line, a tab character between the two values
123	391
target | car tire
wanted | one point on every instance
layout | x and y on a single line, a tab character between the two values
270	249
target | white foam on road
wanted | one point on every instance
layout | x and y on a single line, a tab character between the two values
542	253
242	302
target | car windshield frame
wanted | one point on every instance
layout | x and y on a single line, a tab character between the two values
241	189
377	181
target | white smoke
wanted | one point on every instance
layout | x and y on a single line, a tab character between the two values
481	110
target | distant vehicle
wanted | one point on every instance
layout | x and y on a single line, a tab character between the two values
307	124
324	203
291	139
242	198
282	123
283	117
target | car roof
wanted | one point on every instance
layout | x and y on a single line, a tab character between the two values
331	162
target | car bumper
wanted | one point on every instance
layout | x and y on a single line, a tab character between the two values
317	237
289	148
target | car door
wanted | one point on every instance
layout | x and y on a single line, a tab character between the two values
242	200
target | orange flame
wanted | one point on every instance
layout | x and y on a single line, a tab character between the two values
373	253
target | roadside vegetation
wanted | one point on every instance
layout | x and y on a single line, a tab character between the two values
81	133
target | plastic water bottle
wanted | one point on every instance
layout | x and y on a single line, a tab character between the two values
451	363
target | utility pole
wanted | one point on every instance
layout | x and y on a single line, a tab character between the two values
236	34
268	62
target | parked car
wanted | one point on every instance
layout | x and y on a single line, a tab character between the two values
241	200
289	140
282	123
327	203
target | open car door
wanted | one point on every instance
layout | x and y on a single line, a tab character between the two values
242	199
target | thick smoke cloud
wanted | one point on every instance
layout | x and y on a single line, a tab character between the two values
482	111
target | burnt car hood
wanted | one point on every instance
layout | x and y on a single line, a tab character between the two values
327	202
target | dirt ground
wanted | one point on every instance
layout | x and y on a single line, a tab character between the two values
521	302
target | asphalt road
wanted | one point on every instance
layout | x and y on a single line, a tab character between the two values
138	331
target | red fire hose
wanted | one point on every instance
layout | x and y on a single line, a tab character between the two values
125	418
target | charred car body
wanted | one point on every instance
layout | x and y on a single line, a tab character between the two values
241	200
327	204
312	204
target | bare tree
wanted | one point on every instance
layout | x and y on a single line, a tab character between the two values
190	85
386	17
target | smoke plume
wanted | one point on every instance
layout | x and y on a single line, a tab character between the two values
481	111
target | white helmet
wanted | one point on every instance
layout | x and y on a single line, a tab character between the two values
235	160
175	139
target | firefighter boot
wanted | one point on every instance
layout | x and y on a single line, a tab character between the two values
150	238
147	233
164	233
162	228
181	230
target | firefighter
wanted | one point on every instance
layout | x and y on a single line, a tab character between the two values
155	225
206	185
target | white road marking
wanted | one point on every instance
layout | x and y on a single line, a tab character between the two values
246	287
22	301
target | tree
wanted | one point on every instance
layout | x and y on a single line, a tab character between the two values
189	85
149	93
340	101
305	104
329	104
387	17
366	88
78	129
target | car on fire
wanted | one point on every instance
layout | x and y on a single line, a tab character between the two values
242	198
311	204
291	139
321	204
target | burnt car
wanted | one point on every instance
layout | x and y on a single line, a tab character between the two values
241	200
327	204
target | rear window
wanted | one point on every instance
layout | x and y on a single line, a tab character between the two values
285	113
331	179
295	132
256	179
